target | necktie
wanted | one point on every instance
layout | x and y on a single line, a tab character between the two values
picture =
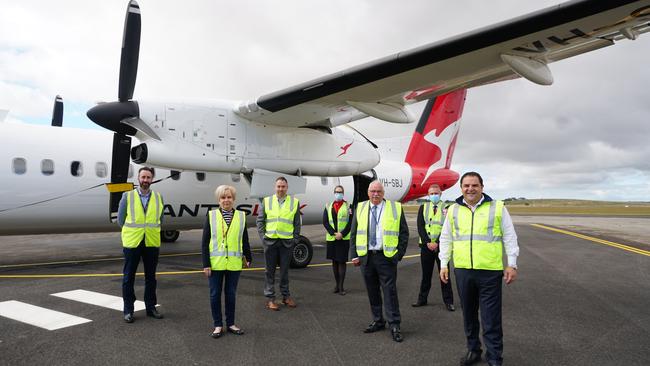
435	209
373	227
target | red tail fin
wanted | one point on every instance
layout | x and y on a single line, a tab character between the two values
433	143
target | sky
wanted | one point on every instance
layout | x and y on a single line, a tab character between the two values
585	137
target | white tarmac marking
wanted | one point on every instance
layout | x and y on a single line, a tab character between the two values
38	316
99	299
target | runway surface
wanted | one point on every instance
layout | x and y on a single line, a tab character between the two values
577	301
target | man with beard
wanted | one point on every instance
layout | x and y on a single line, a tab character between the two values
139	214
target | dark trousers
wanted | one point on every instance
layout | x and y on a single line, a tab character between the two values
380	275
216	281
482	289
273	254
132	257
428	260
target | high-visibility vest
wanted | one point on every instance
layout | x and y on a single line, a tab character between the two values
226	241
138	224
390	221
477	239
432	222
279	219
341	219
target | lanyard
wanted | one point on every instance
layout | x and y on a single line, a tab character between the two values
225	228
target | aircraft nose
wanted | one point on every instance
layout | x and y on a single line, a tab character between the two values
109	116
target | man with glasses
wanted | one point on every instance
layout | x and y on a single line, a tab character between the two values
378	242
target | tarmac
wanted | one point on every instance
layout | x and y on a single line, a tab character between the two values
582	297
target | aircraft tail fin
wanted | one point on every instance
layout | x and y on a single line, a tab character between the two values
432	145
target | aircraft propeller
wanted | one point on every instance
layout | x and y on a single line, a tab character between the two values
117	116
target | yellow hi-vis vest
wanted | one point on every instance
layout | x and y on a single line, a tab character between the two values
477	239
390	220
226	242
279	219
139	224
432	222
341	219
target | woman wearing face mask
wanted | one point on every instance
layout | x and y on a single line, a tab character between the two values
225	250
337	218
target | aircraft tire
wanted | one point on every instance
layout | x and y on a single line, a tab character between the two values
169	236
301	253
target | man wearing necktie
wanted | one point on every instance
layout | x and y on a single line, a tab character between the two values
378	240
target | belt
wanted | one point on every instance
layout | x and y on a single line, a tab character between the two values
375	251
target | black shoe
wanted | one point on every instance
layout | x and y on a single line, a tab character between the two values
342	292
129	318
375	327
396	334
154	314
418	303
235	331
493	364
470	358
450	307
216	335
336	290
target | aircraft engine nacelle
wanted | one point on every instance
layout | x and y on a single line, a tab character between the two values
183	157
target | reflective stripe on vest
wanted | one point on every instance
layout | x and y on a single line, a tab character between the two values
477	239
432	222
138	224
226	254
390	221
341	218
279	218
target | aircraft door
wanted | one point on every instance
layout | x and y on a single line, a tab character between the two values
236	133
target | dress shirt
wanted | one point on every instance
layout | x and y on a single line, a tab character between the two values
508	230
379	233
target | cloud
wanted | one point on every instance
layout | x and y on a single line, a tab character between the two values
585	135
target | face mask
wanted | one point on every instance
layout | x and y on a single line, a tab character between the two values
434	198
338	196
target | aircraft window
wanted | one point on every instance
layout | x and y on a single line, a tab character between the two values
130	170
200	177
235	177
47	167
101	169
175	174
76	169
19	166
323	181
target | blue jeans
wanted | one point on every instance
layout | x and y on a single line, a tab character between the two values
216	281
132	257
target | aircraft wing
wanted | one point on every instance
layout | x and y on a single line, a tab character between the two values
520	47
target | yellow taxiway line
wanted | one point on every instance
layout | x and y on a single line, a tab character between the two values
77	275
596	240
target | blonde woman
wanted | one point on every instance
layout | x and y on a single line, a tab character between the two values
226	251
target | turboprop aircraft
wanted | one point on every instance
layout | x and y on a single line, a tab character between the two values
49	189
303	130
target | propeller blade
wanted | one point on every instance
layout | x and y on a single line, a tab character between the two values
57	112
119	167
130	52
141	126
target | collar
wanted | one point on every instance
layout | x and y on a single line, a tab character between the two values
461	201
